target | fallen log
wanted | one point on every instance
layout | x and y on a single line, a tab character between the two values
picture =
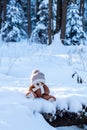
66	118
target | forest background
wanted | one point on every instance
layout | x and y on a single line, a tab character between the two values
40	20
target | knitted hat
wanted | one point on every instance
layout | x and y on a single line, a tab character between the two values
37	77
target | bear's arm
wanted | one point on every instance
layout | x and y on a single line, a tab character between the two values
46	89
31	87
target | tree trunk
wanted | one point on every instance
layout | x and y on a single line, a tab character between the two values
63	23
58	15
50	22
82	10
68	122
4	10
81	7
0	13
66	118
29	17
37	10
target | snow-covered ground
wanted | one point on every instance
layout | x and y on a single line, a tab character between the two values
58	63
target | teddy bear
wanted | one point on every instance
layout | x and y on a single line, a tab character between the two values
38	88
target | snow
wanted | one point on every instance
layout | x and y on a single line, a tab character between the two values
58	63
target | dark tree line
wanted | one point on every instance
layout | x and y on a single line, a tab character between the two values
43	19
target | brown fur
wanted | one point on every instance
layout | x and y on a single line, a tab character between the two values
37	93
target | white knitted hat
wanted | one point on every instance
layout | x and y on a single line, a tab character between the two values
37	77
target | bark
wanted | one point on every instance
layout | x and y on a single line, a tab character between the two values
4	10
58	15
68	122
81	7
63	23
0	13
37	10
66	118
50	22
82	11
29	17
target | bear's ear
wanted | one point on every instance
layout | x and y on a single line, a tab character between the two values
35	71
42	83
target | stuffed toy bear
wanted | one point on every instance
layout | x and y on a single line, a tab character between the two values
38	88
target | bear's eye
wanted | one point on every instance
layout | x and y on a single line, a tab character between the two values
37	84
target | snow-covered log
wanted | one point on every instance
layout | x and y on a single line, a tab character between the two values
66	118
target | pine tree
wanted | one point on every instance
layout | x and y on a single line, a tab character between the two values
50	21
29	17
4	10
13	29
29	12
85	16
40	34
0	13
63	20
33	14
74	28
58	15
